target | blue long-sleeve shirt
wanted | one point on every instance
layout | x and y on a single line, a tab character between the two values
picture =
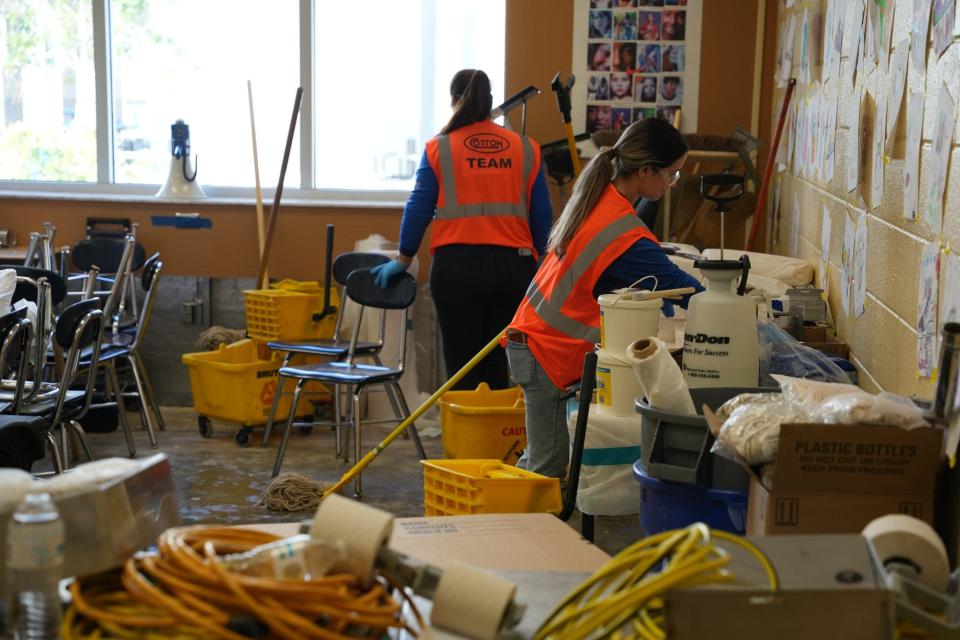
644	258
422	205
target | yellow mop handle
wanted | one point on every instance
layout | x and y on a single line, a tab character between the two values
574	154
367	459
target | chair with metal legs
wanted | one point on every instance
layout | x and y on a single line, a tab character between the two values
334	348
358	377
78	328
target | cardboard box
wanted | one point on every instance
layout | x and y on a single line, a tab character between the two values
833	478
818	338
837	478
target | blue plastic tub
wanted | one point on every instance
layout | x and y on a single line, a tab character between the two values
668	505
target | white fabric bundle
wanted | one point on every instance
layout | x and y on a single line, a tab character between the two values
660	377
794	271
8	283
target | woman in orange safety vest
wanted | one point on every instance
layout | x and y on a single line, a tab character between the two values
482	188
598	245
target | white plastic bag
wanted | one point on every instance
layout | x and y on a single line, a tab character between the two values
607	486
8	284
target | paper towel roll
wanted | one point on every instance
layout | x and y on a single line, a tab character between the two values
898	536
363	529
660	377
471	602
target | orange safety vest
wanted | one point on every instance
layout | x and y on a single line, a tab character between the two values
559	313
486	174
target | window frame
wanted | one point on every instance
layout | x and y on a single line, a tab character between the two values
301	192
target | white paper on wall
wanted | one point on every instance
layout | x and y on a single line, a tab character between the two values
846	263
876	150
834	37
881	23
795	227
939	159
911	163
805	43
853	150
860	267
829	133
857	45
898	77
785	61
827	64
950	298
927	310
824	248
943	24
919	29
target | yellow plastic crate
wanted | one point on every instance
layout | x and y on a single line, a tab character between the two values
463	487
235	384
483	424
288	311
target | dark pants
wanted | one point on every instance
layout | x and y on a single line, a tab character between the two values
476	290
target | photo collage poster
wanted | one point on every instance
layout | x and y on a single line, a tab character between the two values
640	61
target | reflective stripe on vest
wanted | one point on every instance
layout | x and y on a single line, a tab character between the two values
453	209
551	311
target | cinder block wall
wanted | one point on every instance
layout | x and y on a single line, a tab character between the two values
884	339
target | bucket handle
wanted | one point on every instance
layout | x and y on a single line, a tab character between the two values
698	474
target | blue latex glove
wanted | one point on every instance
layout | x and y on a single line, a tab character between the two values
667	308
384	272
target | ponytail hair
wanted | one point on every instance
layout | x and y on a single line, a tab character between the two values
650	142
472	99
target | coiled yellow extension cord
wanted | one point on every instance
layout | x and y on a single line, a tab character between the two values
623	599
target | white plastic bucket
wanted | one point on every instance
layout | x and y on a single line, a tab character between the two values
624	320
617	384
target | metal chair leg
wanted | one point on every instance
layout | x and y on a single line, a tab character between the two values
357	439
54	452
112	386
337	420
286	429
145	415
82	437
64	446
412	429
267	430
135	361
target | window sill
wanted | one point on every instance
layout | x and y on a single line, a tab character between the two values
142	194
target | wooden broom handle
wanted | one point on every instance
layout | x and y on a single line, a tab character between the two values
272	222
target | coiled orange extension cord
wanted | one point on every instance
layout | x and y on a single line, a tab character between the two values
182	591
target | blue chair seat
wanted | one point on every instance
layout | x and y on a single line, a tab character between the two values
329	348
108	352
342	373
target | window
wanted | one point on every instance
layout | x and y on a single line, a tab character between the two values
47	98
375	75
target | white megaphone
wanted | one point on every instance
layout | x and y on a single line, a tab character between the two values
181	184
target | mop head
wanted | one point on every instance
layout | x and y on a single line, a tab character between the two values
213	337
292	492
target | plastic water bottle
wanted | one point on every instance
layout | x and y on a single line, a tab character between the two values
300	557
34	559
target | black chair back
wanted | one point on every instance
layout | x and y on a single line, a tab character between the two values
400	293
106	253
70	320
346	263
28	290
150	269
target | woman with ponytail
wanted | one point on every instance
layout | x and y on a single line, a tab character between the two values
598	245
483	189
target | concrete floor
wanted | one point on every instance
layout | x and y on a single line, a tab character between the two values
218	482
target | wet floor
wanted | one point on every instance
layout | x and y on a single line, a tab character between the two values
219	482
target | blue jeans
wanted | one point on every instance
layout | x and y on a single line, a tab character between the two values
548	443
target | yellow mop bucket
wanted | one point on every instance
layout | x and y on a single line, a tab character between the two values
483	424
